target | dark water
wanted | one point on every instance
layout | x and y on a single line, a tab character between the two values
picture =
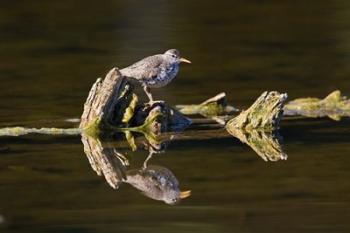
52	52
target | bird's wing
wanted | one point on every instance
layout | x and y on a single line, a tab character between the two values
146	69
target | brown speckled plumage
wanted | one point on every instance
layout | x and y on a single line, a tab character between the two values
155	71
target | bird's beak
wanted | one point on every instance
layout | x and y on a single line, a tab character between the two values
185	60
185	194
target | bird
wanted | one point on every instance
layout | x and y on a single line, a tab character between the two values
155	71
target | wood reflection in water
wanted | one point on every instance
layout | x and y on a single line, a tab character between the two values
155	182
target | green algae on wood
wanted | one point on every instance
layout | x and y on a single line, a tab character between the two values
130	110
212	107
113	102
169	118
265	113
18	131
334	106
160	118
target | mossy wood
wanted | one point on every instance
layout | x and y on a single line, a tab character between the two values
333	106
18	131
113	106
265	113
215	106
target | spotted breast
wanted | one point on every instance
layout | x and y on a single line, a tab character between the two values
164	77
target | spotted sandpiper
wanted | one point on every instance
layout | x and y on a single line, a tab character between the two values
155	71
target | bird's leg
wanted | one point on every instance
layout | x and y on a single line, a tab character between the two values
148	93
151	152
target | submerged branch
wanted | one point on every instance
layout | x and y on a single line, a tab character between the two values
18	131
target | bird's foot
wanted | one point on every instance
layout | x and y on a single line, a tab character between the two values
152	102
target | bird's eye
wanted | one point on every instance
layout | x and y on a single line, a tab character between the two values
173	55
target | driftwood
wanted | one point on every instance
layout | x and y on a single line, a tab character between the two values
256	126
102	99
334	106
265	113
112	105
169	119
18	131
215	106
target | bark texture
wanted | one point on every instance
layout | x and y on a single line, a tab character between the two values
334	106
103	98
265	113
212	107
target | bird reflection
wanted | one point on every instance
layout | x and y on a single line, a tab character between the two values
158	183
155	182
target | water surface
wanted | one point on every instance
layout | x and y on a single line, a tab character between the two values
52	52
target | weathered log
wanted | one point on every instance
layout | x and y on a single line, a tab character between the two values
103	97
112	105
18	131
215	106
171	119
334	106
264	114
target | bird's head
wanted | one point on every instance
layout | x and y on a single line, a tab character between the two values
173	197
174	56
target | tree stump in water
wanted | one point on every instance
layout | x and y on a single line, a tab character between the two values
102	99
112	104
